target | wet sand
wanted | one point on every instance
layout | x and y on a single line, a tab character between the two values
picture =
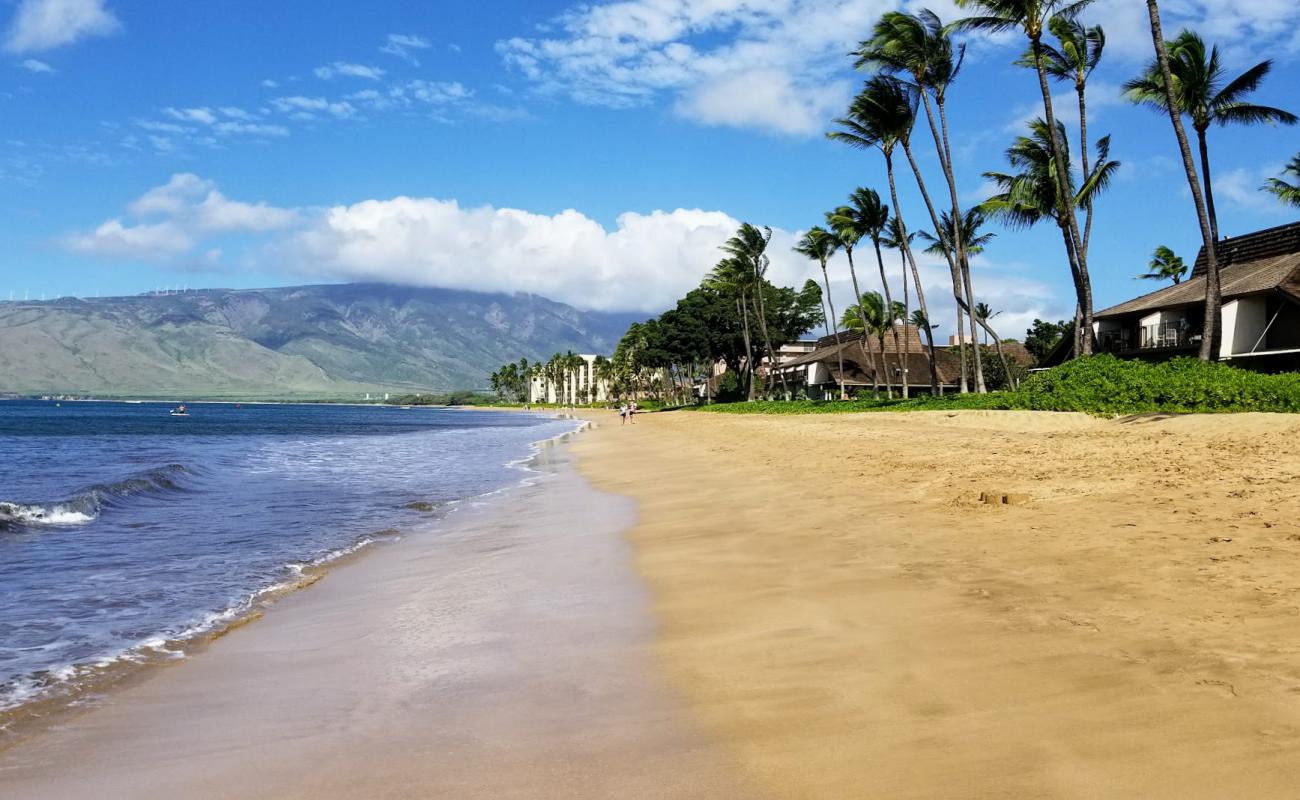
850	621
507	657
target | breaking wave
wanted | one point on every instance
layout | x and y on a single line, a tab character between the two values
86	505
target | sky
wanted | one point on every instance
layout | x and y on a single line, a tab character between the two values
596	153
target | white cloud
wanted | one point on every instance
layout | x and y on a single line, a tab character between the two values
766	64
270	84
47	24
200	115
401	45
172	219
32	65
346	70
250	129
307	107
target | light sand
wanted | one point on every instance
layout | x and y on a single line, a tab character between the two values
503	657
850	626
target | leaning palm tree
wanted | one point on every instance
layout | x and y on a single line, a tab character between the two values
818	244
867	216
1165	264
1202	93
1209	239
895	238
1074	62
1032	17
882	117
734	278
1288	193
917	50
749	246
870	316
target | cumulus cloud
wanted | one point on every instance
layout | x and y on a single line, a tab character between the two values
401	45
344	69
173	219
47	24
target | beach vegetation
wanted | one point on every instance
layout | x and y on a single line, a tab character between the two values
1285	191
1165	265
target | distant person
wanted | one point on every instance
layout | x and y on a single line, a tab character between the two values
622	413
631	412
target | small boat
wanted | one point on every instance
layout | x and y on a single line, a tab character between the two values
179	411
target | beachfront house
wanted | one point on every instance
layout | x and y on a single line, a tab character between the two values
1260	278
580	386
816	373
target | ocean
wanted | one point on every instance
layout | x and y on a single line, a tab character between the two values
125	530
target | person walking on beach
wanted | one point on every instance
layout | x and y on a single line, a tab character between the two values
622	413
631	412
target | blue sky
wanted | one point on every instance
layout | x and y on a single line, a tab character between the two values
594	153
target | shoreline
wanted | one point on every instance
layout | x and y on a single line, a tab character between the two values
504	657
849	618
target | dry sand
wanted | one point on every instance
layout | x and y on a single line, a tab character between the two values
845	619
502	657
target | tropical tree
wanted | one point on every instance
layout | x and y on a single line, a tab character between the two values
1032	17
882	117
818	244
1165	264
1073	62
941	242
867	216
1209	239
749	246
917	49
1203	94
734	278
1288	193
895	238
871	316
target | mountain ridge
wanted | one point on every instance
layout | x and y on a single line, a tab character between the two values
325	340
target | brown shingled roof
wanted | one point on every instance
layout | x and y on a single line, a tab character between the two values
1268	243
1278	271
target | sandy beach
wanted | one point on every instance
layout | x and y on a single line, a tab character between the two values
850	621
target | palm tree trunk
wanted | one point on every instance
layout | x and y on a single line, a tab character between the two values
884	364
907	314
835	327
1065	199
767	340
1083	161
853	273
953	269
936	389
1213	296
889	311
743	308
958	235
1209	188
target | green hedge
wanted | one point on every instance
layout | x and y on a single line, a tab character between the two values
1102	385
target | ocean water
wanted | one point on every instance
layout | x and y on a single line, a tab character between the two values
123	528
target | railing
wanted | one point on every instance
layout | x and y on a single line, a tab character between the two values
1161	336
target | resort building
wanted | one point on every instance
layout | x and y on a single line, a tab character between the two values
817	373
578	386
1259	275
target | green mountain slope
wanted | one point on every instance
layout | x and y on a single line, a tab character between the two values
303	341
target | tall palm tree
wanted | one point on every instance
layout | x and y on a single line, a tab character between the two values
1031	17
882	117
1031	195
734	278
971	222
1209	239
1074	62
749	246
819	245
867	216
1165	264
1204	96
895	238
1288	193
918	46
870	316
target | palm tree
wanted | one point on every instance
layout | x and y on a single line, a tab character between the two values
1209	239
1031	195
733	278
895	238
1201	94
1031	16
1288	193
871	317
918	46
819	245
867	216
749	246
1165	264
881	117
971	222
1074	62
